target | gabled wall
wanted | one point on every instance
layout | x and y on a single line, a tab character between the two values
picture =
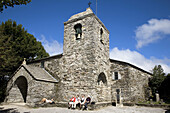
133	83
34	90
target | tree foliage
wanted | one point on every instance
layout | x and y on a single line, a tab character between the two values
15	45
157	78
11	3
164	89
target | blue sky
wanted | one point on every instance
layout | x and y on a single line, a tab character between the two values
139	29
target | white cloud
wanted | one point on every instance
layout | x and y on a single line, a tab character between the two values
152	31
52	47
139	60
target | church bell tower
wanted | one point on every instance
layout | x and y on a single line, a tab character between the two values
86	53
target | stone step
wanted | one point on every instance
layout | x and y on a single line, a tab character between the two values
119	105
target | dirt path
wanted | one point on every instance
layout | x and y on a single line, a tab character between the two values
110	109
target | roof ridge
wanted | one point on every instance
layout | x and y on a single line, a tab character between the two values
131	65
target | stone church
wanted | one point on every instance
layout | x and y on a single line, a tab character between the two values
83	68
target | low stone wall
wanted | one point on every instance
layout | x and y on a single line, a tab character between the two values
58	104
99	105
128	104
154	105
148	105
91	106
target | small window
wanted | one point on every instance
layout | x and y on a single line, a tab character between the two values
116	75
78	31
42	64
101	36
101	32
118	91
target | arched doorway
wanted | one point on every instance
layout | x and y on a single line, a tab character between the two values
22	84
102	77
102	89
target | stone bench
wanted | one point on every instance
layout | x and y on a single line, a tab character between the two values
91	106
98	105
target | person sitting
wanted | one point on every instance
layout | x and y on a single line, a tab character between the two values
44	100
82	101
78	101
72	103
88	100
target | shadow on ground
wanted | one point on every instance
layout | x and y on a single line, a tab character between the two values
167	111
9	110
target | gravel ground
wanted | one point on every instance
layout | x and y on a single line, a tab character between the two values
109	109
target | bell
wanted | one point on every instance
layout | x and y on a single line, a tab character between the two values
78	36
78	30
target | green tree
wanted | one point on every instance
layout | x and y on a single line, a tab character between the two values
157	78
168	75
164	89
11	3
15	45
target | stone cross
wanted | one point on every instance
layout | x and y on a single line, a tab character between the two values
89	4
157	97
24	62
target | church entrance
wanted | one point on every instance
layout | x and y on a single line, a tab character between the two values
102	78
102	87
22	84
118	96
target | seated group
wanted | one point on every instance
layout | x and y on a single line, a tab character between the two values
76	101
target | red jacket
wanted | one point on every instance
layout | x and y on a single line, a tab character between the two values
73	99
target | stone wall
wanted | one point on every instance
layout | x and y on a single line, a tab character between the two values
123	83
102	60
54	66
35	90
139	84
133	83
86	58
83	60
14	95
84	68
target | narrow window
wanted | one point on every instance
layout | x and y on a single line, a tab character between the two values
118	91
101	36
116	76
78	31
42	64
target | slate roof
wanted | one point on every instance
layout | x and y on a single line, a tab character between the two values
46	58
37	73
40	73
111	60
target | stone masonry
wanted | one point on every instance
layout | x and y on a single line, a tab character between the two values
83	68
